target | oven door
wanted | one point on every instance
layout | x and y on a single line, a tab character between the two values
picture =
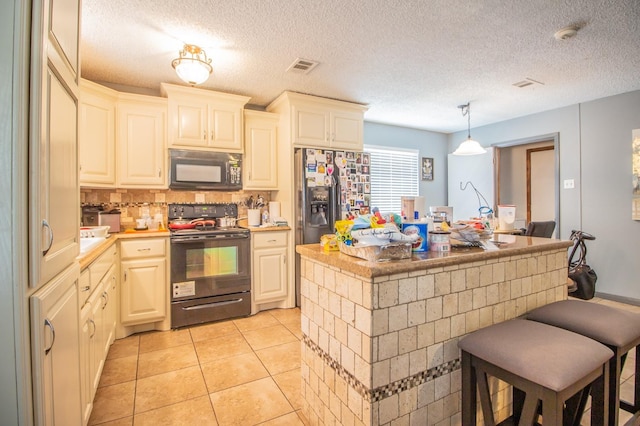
210	266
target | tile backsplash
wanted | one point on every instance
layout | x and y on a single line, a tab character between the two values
131	201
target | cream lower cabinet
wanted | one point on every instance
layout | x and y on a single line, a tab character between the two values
143	276
269	268
56	351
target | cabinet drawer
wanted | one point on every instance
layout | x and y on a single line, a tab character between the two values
269	239
143	247
101	265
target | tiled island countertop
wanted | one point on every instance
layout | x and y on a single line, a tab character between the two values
380	339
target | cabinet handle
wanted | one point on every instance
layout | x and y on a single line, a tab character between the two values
86	288
105	297
47	323
271	241
113	279
284	260
159	172
204	135
46	225
212	135
125	275
91	321
145	249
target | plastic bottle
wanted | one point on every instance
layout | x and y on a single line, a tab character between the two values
265	216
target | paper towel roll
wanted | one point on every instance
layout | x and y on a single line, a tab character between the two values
274	209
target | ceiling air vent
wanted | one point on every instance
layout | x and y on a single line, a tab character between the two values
527	82
302	66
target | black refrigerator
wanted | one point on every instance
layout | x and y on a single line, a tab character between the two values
330	185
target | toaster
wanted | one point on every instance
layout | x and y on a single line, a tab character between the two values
96	217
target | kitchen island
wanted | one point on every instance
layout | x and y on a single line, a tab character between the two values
380	339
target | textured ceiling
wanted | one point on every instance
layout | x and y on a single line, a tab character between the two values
411	61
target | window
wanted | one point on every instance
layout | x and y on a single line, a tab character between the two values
394	173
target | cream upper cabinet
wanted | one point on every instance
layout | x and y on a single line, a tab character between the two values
261	150
96	135
320	122
141	146
54	190
204	119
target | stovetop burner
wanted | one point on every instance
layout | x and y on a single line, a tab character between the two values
209	213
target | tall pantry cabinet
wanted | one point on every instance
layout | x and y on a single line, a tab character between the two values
54	212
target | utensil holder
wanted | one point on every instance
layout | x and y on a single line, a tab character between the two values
253	217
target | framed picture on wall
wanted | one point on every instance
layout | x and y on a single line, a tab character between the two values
427	168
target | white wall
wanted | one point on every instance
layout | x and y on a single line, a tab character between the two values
430	144
595	151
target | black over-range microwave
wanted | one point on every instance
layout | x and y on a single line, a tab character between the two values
205	170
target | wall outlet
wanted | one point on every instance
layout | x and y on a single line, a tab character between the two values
569	184
199	198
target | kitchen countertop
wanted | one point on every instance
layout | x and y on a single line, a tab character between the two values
85	259
424	260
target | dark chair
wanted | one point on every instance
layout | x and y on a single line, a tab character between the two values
546	366
540	229
617	329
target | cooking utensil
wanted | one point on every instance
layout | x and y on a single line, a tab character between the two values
184	223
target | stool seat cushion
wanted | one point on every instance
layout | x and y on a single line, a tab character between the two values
543	354
606	324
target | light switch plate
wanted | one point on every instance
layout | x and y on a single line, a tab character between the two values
569	184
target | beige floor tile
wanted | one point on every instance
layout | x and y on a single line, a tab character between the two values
125	421
169	388
228	372
286	315
163	339
113	402
286	420
223	347
250	403
281	358
197	411
214	330
294	328
260	320
270	336
290	383
165	360
124	347
119	370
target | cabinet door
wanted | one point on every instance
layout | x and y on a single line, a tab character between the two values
346	130
96	347
110	310
270	274
54	190
96	140
189	123
56	351
63	34
261	153
310	126
143	290
141	144
87	329
225	127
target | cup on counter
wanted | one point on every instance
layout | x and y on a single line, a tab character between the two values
141	223
253	217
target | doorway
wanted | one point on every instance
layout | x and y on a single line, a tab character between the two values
527	176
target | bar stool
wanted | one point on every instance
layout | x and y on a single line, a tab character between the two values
540	361
616	328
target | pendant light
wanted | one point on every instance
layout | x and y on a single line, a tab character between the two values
193	66
470	146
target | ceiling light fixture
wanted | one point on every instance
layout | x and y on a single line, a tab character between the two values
193	66
470	146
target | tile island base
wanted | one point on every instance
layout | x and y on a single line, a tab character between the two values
380	339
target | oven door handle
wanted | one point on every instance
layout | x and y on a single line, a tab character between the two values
212	305
208	238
